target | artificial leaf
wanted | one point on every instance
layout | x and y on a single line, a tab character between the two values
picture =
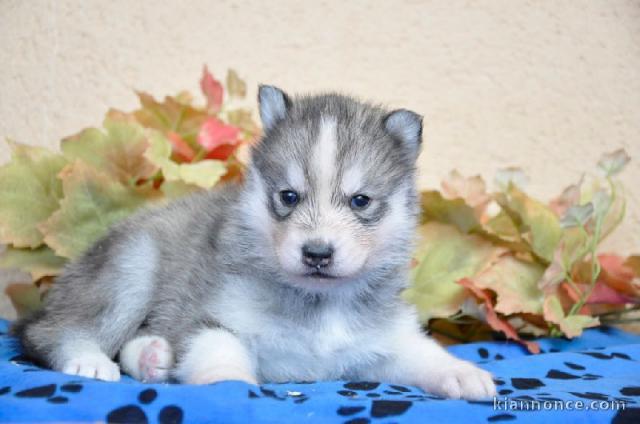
539	224
617	274
515	283
212	90
214	133
604	294
572	325
235	86
633	263
492	317
449	211
117	152
39	262
182	149
446	255
170	116
24	297
577	216
612	163
92	203
503	227
29	194
570	196
472	190
204	174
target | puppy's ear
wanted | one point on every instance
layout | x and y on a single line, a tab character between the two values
405	126
274	105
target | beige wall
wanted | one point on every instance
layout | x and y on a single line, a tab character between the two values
547	85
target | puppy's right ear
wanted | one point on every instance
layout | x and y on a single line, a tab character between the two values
274	105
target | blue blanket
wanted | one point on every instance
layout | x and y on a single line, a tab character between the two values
595	378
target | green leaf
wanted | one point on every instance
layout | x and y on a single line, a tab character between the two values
29	193
40	262
571	325
203	174
538	224
516	284
445	256
92	203
117	152
448	211
171	116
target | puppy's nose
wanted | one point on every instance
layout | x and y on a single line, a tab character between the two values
317	254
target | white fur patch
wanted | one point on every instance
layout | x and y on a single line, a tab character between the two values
215	355
352	181
418	360
295	177
324	161
85	359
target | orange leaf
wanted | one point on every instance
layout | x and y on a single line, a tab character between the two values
181	147
493	319
212	90
617	275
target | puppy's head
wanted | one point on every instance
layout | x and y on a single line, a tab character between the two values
331	188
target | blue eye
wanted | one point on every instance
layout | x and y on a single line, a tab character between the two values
360	201
289	198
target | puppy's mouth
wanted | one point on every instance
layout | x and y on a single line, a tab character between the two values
320	274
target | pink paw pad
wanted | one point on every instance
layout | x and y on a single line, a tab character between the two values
155	361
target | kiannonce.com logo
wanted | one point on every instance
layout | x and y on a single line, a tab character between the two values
511	404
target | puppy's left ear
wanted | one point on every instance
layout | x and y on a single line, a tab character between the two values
274	105
405	126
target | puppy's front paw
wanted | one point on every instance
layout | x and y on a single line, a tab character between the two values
92	365
461	380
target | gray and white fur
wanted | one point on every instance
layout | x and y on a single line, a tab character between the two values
294	274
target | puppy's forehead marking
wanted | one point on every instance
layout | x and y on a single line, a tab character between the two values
352	180
295	176
323	160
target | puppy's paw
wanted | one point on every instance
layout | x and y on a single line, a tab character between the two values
461	380
92	365
147	358
221	373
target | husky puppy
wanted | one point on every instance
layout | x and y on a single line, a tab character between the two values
295	274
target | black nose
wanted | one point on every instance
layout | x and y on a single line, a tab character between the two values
317	254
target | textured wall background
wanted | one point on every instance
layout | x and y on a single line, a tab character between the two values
545	85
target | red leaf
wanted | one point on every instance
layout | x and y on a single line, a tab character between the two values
215	133
212	90
223	152
493	319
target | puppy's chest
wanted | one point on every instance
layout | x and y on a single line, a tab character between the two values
324	347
